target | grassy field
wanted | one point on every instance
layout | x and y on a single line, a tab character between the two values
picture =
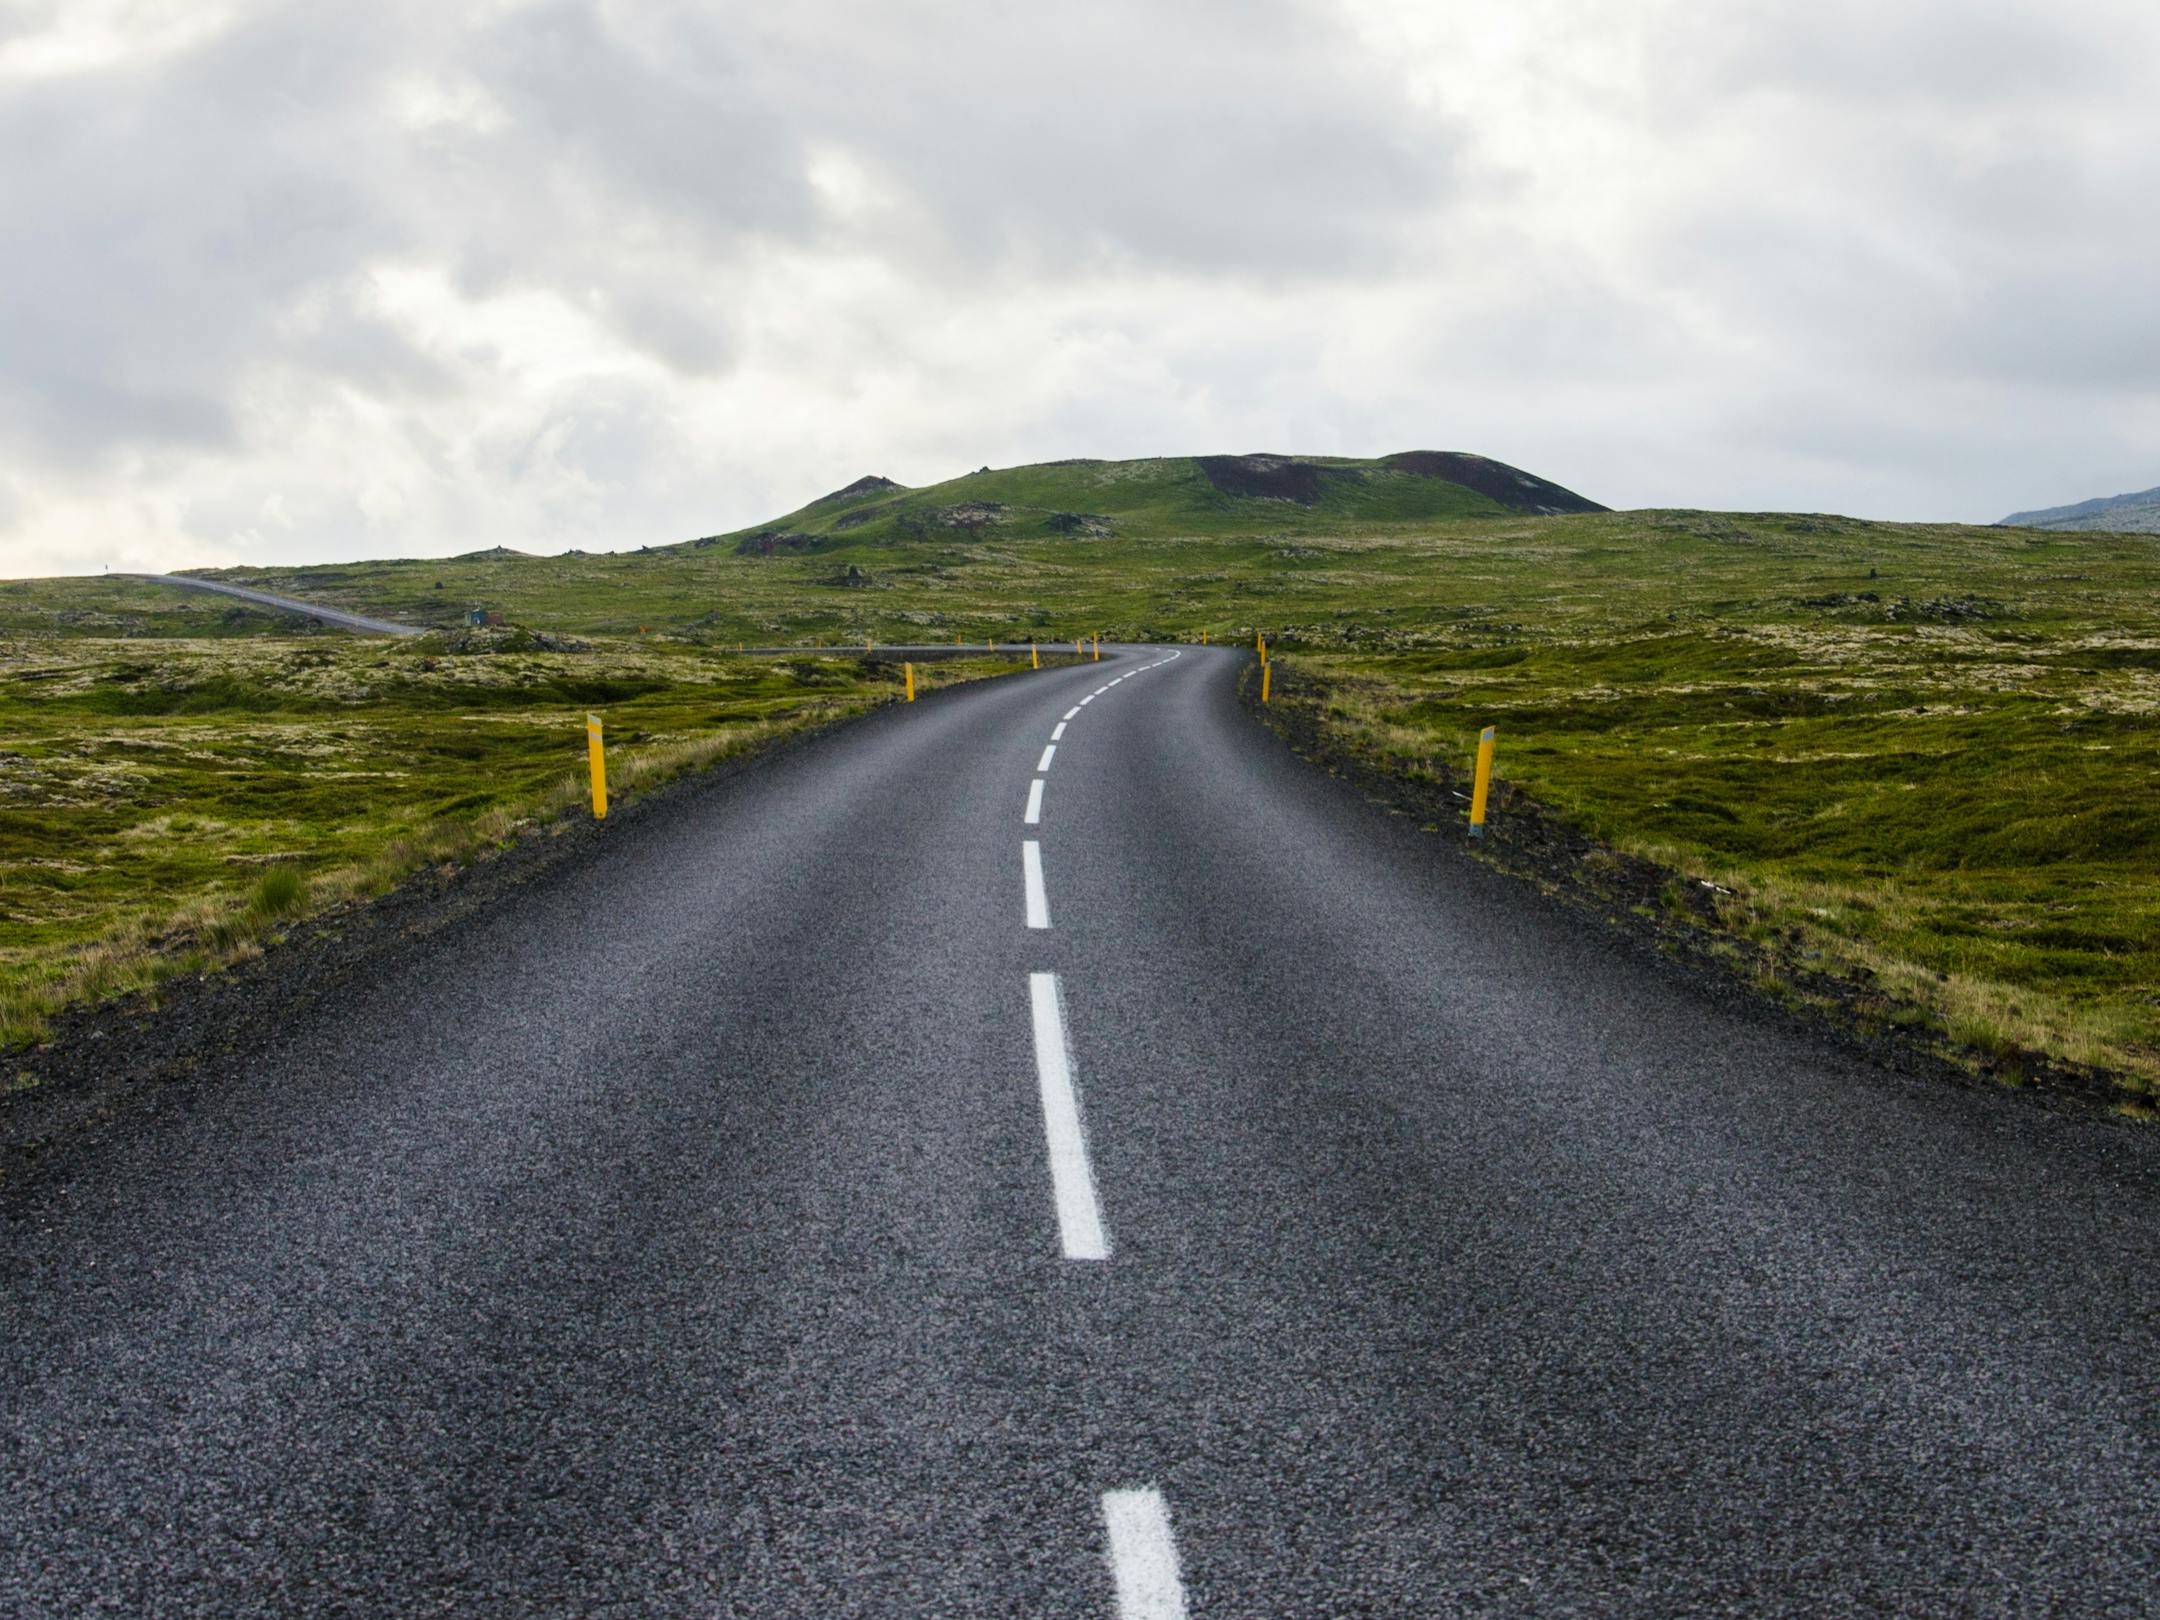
1962	815
166	805
1924	755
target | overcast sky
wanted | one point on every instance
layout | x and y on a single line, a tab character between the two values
307	281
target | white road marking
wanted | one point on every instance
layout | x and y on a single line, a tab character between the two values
1038	898
1034	808
1143	1556
1057	731
1069	713
1071	1181
1090	698
1044	763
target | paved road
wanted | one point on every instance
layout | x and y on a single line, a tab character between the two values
765	1217
311	610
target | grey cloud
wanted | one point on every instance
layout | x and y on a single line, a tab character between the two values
1968	55
158	225
594	444
1245	138
27	18
1215	136
671	125
347	340
172	219
1822	205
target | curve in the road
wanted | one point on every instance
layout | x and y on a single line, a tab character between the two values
701	1230
326	615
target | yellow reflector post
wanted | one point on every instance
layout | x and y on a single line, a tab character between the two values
596	756
1483	783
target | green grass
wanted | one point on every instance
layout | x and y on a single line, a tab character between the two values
168	806
1919	753
1975	825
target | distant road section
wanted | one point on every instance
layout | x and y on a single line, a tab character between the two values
327	615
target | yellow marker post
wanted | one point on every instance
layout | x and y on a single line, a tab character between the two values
1098	649
1265	672
1078	650
1484	782
909	669
1034	658
1261	643
596	755
1203	638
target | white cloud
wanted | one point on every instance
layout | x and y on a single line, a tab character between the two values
286	281
55	40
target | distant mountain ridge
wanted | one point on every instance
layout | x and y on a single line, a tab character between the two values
2138	513
1201	496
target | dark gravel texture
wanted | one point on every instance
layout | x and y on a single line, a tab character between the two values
671	1235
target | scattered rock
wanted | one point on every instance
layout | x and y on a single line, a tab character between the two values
1825	523
971	517
1952	608
487	640
1084	525
1838	599
862	515
869	484
767	542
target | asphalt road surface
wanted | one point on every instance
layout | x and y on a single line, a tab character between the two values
307	610
815	1204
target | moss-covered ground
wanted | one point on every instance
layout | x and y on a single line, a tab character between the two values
1922	753
167	804
1926	761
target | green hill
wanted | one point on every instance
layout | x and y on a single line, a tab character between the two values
1183	495
1904	770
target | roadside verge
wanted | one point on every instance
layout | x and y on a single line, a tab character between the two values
104	1054
1687	922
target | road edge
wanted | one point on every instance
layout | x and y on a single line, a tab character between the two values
1531	843
103	1060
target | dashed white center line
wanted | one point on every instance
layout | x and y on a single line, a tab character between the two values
1142	1550
1038	898
1071	1181
1143	1556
